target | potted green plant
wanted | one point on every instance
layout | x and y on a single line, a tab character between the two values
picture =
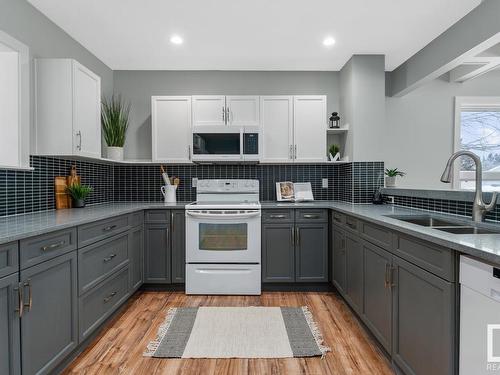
390	176
115	120
334	151
79	193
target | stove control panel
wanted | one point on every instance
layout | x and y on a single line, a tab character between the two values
229	186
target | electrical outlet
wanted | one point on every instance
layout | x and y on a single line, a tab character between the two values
194	182
390	199
324	183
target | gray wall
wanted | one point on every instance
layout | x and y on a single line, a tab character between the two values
419	130
45	39
139	86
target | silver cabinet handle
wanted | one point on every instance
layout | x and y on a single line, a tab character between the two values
53	246
292	231
295	156
291	152
223	115
228	115
109	258
79	145
20	295
309	216
277	216
386	276
392	284
109	228
297	235
189	152
172	221
108	298
28	305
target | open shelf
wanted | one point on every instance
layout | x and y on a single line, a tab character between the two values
341	130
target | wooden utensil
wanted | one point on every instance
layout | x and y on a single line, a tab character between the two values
63	199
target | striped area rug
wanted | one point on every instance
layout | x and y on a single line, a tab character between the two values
238	332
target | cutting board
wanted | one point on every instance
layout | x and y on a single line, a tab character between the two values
63	199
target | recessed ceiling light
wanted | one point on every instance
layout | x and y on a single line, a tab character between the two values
176	39
328	41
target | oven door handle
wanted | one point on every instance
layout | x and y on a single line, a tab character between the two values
223	216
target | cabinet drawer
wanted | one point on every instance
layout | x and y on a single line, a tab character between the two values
157	216
338	218
9	261
98	261
136	219
100	302
277	216
311	215
39	249
376	234
90	233
435	259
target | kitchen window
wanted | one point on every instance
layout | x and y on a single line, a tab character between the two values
477	129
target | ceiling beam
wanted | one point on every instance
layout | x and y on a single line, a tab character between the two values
476	32
465	72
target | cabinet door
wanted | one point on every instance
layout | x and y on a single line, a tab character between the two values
423	321
339	260
311	252
277	128
86	111
178	246
310	128
377	293
171	128
9	326
136	253
157	254
49	326
243	110
278	254
209	110
354	272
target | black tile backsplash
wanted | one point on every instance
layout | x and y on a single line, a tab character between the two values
31	191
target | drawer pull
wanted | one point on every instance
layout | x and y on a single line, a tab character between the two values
28	305
107	259
351	225
108	298
111	227
20	308
337	219
277	216
309	216
53	246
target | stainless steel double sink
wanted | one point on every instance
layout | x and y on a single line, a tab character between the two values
446	225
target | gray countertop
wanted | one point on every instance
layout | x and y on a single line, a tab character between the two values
485	246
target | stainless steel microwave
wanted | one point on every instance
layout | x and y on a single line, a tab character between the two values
223	147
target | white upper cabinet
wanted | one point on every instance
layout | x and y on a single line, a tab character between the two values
277	128
242	110
310	128
171	129
237	111
68	109
14	103
209	110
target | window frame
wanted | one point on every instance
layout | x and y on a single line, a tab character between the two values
24	127
462	103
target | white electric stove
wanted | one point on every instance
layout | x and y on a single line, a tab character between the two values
223	238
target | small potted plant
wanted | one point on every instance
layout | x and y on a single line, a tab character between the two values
79	193
390	176
334	153
115	119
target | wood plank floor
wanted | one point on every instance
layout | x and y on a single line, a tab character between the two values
119	348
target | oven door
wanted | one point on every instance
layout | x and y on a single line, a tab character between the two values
223	236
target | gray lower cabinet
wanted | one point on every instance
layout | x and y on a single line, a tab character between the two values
136	254
338	260
157	263
9	325
9	262
178	230
278	256
423	321
50	298
377	293
354	271
311	252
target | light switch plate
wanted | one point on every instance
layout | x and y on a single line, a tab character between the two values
194	182
324	183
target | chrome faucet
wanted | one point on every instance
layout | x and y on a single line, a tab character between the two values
479	209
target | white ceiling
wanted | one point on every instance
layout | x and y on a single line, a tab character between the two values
251	34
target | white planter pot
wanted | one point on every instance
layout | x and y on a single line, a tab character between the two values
390	181
115	153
